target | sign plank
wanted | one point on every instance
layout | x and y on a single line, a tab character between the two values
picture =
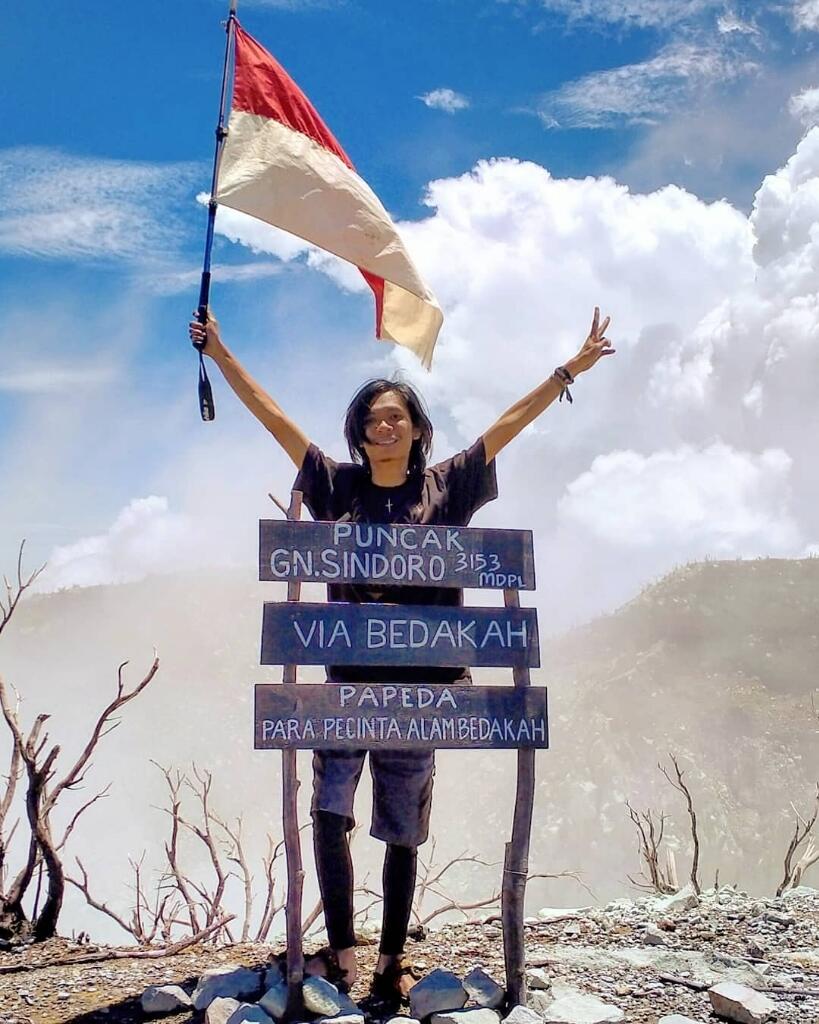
415	556
403	717
392	635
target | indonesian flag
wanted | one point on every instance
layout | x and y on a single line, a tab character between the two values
281	163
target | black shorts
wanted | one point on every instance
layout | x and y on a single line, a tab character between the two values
402	790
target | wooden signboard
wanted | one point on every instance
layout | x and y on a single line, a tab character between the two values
415	556
400	715
378	634
405	716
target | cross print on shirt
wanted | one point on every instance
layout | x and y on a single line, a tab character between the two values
389	505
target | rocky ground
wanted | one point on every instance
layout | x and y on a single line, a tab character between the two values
640	959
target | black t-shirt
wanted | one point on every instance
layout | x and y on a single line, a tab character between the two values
447	494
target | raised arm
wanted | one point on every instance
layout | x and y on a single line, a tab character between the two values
253	395
522	413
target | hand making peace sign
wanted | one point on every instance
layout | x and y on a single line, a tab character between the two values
595	346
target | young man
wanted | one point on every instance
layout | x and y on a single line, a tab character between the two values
389	436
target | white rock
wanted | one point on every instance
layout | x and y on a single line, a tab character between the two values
439	990
249	1013
164	999
345	1018
321	997
654	937
220	1010
557	913
231	981
685	899
274	1001
740	1004
402	1020
483	989
537	979
573	1007
676	1018
523	1015
481	1015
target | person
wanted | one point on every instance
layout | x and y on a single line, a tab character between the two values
389	436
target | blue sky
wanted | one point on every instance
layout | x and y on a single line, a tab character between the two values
495	131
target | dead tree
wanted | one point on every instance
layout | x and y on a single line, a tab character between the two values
177	903
681	787
34	757
650	833
802	834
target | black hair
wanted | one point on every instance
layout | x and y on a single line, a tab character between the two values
359	409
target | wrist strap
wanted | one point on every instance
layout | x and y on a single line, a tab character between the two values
206	406
564	379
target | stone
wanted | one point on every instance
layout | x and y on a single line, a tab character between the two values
344	1018
571	1006
478	1015
537	979
685	899
220	1010
249	1013
654	937
402	1020
557	913
522	1015
539	1000
347	1005
230	981
274	1001
164	999
321	997
740	1004
483	990
677	1018
440	990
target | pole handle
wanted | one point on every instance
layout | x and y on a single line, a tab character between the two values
207	407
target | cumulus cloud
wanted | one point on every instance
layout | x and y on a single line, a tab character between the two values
61	206
643	92
712	501
804	106
146	537
445	99
806	15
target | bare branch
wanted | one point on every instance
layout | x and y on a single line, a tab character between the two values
801	833
122	698
14	593
100	796
83	886
681	787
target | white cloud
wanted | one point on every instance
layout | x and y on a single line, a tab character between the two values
145	538
716	501
640	93
38	378
804	106
61	206
806	14
173	282
729	22
633	13
445	99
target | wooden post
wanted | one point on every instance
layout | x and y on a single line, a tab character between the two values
516	859
292	841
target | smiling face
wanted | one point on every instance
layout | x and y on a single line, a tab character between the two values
389	430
